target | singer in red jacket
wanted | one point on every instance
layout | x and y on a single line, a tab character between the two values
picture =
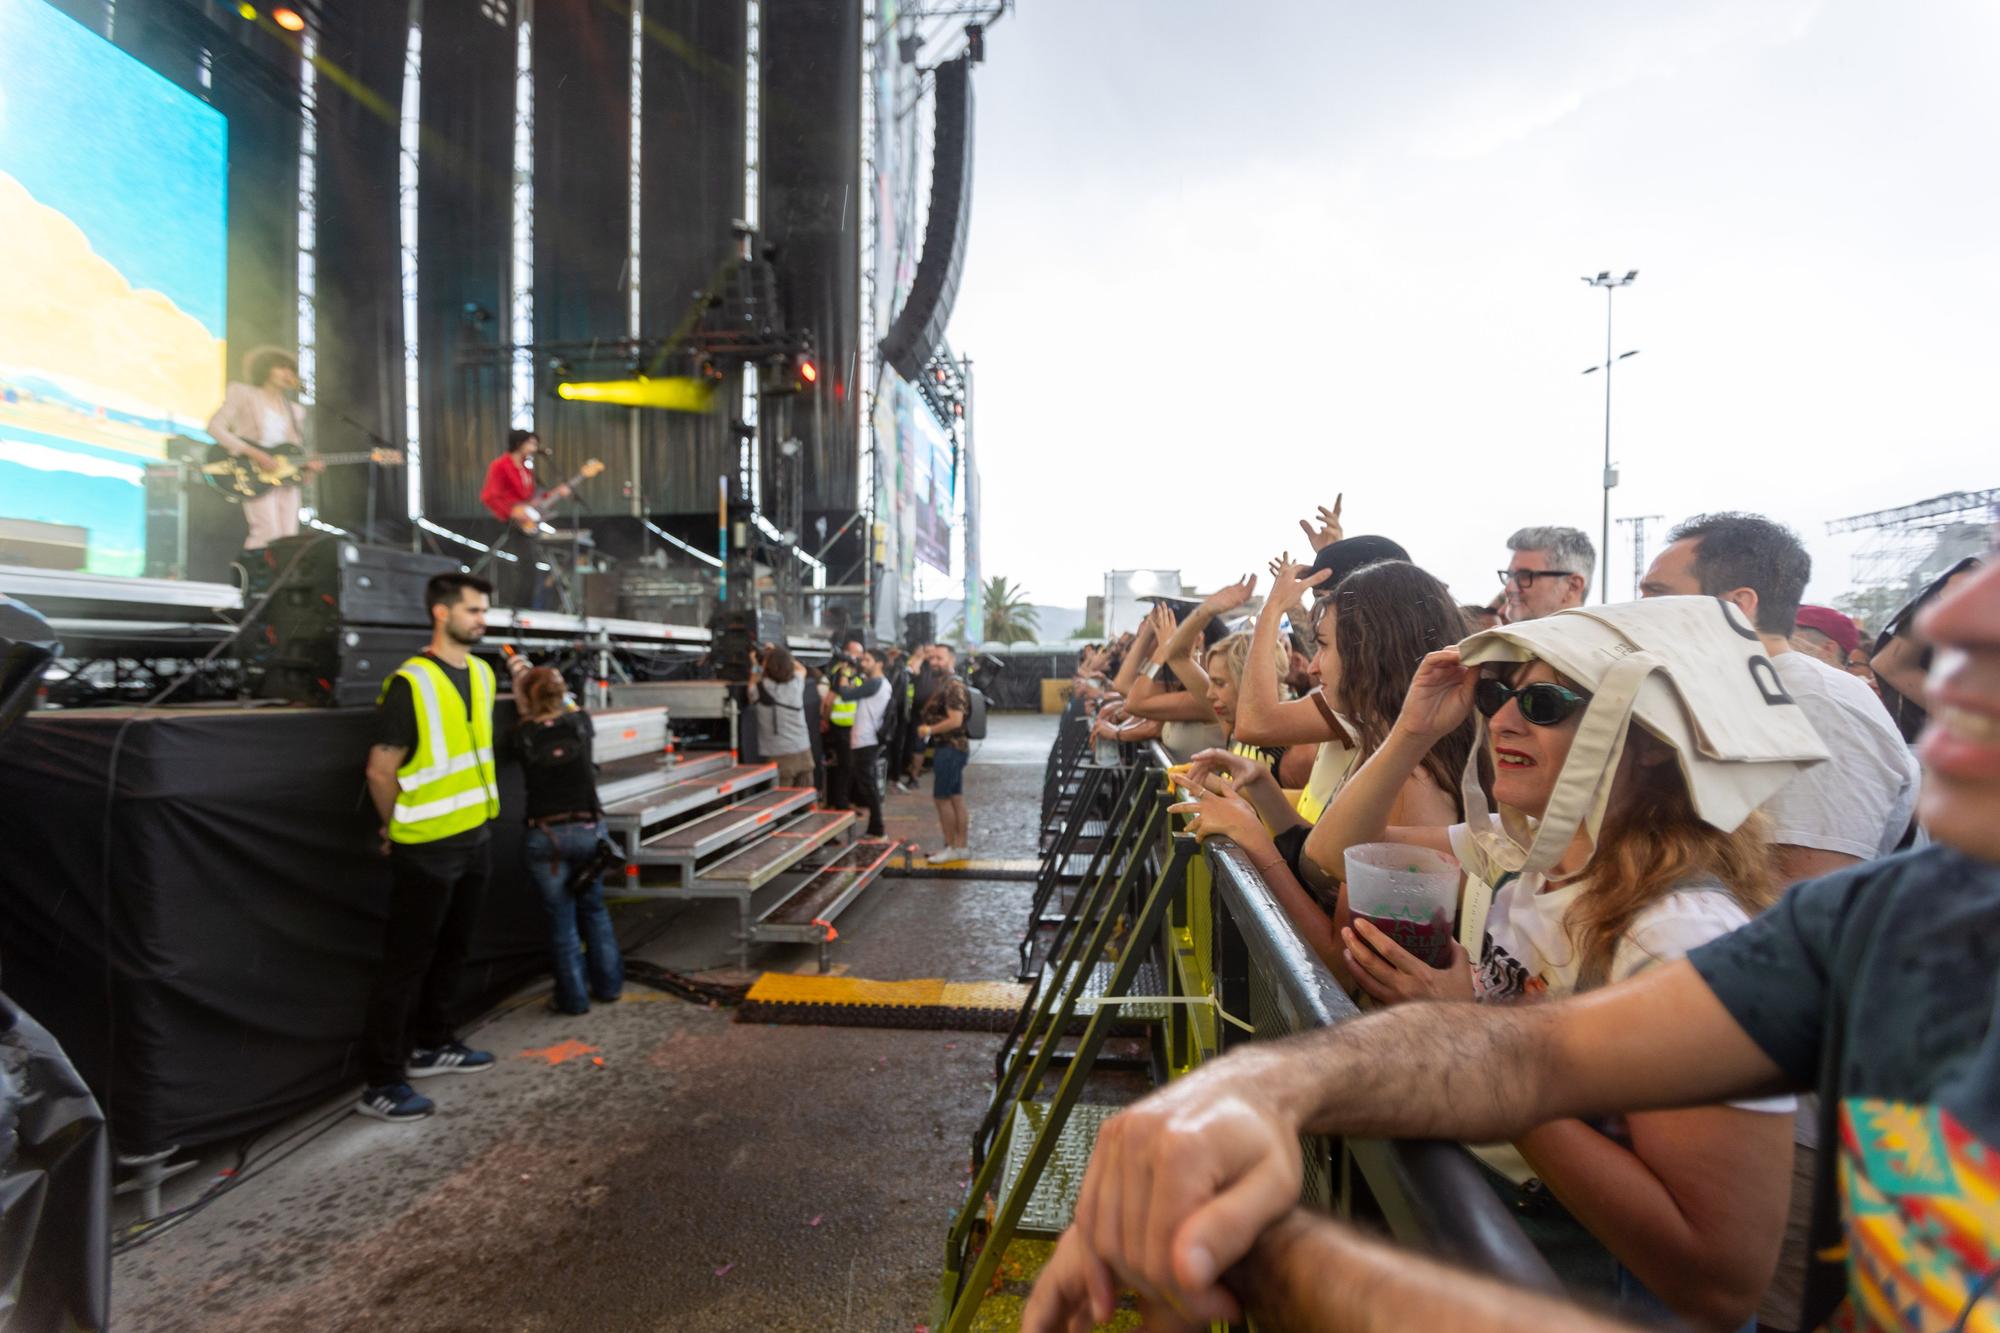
509	494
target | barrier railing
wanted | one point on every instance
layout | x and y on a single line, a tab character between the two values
1224	952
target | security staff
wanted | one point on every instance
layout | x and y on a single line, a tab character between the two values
843	674
431	776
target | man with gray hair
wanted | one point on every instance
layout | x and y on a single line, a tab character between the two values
1550	572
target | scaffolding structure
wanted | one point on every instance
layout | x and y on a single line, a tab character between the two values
1912	544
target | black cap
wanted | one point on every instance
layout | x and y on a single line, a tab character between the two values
1351	553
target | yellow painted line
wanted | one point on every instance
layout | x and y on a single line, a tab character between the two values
930	992
972	865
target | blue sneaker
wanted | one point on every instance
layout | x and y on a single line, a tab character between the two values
394	1101
454	1057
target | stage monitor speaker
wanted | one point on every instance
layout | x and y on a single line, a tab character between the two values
348	583
344	667
919	628
919	326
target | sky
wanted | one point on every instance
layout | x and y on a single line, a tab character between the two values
1227	261
139	165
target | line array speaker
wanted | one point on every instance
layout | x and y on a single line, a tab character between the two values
920	324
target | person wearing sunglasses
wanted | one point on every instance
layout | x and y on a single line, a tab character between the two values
1549	572
1679	1210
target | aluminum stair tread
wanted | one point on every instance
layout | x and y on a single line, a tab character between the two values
1053	1202
746	816
687	794
836	884
785	848
1098	979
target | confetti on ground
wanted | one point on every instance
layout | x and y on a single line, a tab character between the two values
817	1219
724	1270
597	1060
561	1051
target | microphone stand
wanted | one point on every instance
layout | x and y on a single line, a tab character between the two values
368	524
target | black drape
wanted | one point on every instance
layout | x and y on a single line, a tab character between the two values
464	233
691	192
583	90
811	205
360	322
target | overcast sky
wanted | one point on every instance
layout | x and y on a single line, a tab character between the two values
1228	259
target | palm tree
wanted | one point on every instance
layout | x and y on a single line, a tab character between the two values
1010	617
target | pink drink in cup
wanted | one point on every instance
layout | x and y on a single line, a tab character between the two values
1408	893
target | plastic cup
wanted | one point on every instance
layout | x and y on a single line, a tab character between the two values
1408	893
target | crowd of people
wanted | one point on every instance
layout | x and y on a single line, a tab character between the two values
1715	1010
872	712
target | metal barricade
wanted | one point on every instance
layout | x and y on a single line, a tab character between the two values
1221	942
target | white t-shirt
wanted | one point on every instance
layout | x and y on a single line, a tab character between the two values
1859	802
1529	955
868	715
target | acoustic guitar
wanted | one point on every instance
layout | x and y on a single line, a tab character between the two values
238	479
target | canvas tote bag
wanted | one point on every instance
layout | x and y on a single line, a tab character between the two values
1692	671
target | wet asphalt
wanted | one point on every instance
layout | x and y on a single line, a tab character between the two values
649	1165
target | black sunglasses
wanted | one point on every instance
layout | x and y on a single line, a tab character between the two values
1544	703
1526	577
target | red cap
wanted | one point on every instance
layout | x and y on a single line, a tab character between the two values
1832	624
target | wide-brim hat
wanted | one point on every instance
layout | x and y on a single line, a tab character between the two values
1693	672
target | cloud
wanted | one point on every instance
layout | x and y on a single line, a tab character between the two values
68	311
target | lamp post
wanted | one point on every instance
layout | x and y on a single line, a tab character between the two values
1610	286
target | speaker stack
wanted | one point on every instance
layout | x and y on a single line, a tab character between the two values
344	619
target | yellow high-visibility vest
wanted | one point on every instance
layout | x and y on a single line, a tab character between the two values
447	784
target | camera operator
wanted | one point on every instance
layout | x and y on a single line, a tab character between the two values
565	829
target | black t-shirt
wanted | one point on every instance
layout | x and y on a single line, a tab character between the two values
396	715
396	724
555	760
1880	987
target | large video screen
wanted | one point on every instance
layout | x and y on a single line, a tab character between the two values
114	210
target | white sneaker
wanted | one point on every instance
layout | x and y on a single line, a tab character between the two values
962	854
944	856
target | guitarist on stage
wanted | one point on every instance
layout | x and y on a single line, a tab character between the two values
510	496
260	411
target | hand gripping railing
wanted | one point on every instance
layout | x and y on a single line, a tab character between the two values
1431	1195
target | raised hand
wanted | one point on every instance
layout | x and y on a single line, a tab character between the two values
1440	695
1328	530
1230	596
1162	621
1288	585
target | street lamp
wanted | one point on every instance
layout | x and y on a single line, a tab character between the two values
1610	285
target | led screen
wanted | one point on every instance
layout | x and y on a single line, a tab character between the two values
113	203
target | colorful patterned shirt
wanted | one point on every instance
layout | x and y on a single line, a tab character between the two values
1880	987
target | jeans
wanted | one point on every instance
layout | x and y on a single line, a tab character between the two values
434	897
577	922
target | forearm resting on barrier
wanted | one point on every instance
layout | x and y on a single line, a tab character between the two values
1363	809
1310	1272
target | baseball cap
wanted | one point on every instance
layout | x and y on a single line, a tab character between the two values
1833	624
1351	553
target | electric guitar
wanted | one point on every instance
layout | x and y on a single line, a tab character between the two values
238	479
528	517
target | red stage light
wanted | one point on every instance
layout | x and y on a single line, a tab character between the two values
288	19
808	372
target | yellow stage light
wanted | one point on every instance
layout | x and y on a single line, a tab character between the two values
247	10
674	393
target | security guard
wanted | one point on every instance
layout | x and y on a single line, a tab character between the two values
430	773
843	673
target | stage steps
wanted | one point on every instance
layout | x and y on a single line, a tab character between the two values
628	733
690	843
807	915
762	861
707	826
